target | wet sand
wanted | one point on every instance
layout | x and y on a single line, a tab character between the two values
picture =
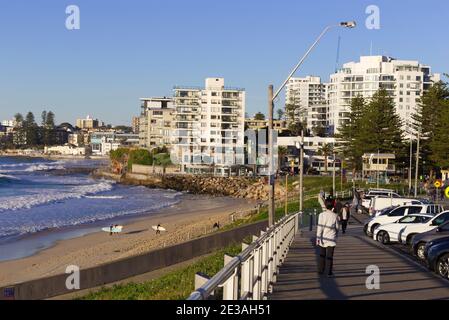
192	217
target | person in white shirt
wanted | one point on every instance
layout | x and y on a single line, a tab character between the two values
344	217
326	238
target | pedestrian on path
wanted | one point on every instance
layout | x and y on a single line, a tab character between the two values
326	238
344	217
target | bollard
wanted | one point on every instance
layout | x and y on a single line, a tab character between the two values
310	222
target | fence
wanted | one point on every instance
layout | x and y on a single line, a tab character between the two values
251	274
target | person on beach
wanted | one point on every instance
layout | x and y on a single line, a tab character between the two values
110	230
158	229
326	238
217	225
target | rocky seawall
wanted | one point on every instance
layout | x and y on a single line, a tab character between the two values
238	187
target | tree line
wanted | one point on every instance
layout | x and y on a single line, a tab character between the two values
374	126
27	133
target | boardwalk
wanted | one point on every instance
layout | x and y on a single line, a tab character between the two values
401	277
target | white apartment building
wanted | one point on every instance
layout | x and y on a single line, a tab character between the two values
310	94
156	122
405	80
209	127
8	123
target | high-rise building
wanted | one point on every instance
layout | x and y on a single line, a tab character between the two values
404	80
309	94
209	127
156	122
135	124
88	123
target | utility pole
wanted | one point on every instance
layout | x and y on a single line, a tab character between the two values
410	168
271	205
301	174
417	163
333	176
377	171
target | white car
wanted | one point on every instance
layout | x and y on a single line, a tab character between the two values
397	213
377	193
406	227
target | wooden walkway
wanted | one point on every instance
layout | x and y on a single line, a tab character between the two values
401	278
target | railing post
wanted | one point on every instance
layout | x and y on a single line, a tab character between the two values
230	287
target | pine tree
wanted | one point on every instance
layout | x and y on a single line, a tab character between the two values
295	117
428	118
381	126
349	136
439	143
31	130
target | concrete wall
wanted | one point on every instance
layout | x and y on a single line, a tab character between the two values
147	170
129	267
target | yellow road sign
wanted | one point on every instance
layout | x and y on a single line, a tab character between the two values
446	192
437	184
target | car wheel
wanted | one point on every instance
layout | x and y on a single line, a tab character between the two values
420	251
443	266
373	227
383	237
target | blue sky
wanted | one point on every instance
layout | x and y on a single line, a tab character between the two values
135	48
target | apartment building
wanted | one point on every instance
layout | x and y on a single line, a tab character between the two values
156	122
309	93
87	123
404	80
209	127
135	125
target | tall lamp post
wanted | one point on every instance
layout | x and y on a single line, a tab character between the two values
271	98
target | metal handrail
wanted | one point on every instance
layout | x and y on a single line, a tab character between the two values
231	269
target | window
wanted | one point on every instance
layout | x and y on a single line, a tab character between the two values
445	227
412	210
399	212
441	219
414	219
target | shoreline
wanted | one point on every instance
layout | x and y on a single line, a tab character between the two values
189	218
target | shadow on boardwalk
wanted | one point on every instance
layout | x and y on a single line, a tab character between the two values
400	279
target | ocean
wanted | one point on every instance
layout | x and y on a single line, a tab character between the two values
40	196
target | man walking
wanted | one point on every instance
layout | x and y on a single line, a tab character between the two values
344	217
326	238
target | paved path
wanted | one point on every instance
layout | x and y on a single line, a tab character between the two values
401	277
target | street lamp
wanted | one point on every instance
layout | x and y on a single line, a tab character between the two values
271	98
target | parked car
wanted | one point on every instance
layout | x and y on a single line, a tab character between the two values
407	227
438	258
379	203
397	213
420	241
387	193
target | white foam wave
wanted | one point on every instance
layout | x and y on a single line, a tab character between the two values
86	219
104	197
5	176
50	196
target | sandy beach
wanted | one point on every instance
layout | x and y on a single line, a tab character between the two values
190	218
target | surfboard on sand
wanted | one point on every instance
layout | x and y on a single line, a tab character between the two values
162	229
117	229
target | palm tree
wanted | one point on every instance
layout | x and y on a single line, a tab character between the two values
326	150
